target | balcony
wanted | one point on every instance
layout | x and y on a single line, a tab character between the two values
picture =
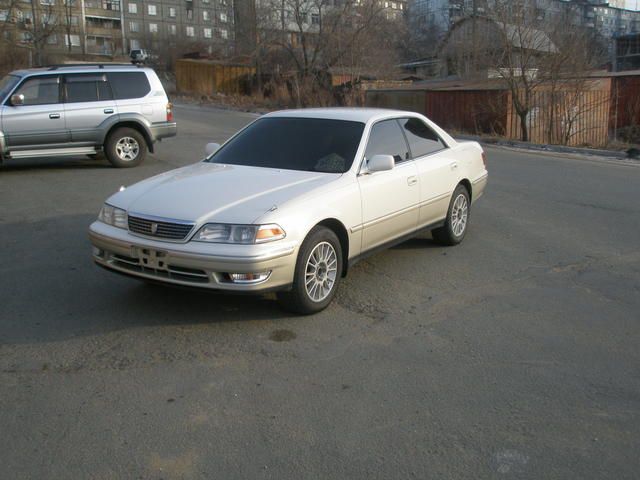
102	13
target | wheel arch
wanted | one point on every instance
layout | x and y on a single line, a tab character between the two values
135	126
337	227
467	184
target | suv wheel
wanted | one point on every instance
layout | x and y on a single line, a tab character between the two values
125	147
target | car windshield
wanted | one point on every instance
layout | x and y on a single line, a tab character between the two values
7	84
308	144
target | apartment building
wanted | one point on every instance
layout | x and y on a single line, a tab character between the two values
154	24
114	27
607	18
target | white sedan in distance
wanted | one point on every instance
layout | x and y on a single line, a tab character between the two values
291	202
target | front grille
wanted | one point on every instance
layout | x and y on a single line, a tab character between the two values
191	275
159	228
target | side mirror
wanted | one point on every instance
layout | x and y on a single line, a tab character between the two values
211	148
380	163
17	100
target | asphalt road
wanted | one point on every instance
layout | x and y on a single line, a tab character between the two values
513	355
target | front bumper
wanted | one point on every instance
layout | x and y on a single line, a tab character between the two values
194	264
163	130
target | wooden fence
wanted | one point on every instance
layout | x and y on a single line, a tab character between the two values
205	77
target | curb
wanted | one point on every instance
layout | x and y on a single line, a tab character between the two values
591	152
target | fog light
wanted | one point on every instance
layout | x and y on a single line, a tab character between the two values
97	252
248	277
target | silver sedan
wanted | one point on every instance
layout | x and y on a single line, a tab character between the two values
290	202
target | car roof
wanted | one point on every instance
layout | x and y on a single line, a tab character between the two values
364	115
78	69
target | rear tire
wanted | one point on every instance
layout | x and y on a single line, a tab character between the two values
125	147
455	226
317	274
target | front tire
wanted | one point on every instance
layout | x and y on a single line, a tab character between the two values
317	274
455	226
125	148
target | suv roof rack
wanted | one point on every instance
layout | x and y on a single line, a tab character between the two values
90	65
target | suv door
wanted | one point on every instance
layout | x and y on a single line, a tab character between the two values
390	198
39	122
88	106
437	170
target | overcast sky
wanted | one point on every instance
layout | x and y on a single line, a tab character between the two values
633	4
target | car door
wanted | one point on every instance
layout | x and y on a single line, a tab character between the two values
89	104
437	169
389	198
39	121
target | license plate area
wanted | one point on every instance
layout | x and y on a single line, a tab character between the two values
149	258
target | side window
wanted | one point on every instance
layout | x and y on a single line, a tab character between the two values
386	139
422	139
40	91
129	84
86	88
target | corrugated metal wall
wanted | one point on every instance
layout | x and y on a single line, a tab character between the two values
561	117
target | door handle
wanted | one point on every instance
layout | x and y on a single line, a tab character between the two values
108	110
453	165
412	180
53	116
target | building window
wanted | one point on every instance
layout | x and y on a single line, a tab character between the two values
72	40
75	20
111	5
133	8
153	28
47	2
151	10
224	33
4	15
315	19
189	14
172	29
206	16
223	17
172	12
207	33
134	27
52	39
191	32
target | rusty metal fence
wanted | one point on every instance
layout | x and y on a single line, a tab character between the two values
576	118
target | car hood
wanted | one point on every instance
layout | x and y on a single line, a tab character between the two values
209	192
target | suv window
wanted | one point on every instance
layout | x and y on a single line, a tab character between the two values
40	90
422	139
386	139
87	88
129	84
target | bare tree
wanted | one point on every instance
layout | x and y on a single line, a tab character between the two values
44	24
317	35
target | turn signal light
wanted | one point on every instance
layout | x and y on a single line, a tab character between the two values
484	160
269	232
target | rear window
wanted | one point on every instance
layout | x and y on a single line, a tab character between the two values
87	88
129	84
422	139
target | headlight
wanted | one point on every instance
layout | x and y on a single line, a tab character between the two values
242	234
113	216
